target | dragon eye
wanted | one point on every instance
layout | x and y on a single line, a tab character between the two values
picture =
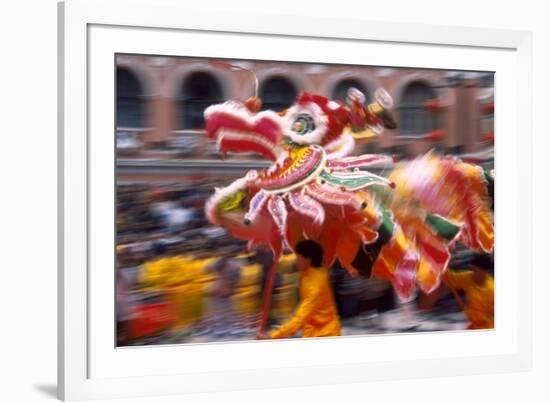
303	124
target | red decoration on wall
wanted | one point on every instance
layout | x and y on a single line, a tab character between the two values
433	105
488	108
489	136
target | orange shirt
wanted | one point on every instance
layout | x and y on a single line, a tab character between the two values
316	315
479	308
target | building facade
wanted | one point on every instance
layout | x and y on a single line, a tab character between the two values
160	103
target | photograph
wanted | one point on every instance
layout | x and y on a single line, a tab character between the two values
266	199
275	201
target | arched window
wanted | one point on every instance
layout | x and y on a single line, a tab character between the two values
130	102
340	91
198	91
414	117
277	93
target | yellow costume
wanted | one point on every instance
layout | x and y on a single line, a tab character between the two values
285	298
479	308
182	280
157	274
246	300
316	314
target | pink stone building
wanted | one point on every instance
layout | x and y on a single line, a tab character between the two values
160	101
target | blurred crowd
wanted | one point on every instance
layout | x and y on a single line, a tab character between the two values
180	279
178	274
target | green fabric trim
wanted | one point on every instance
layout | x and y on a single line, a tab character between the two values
385	230
442	226
365	258
232	202
352	182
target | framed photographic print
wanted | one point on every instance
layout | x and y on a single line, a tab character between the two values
244	197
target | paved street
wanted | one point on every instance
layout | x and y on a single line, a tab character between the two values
405	319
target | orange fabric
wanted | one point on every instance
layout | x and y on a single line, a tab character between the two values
482	218
347	248
391	255
316	315
432	250
457	192
479	307
332	230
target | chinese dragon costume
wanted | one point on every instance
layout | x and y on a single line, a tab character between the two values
399	227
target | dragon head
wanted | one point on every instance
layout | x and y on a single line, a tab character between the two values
312	119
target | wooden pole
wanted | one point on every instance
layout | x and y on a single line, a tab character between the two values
268	295
457	298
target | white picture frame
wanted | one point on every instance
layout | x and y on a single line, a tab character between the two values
92	31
